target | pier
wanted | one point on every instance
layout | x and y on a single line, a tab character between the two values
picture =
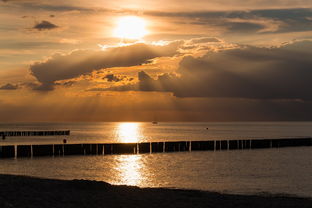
36	150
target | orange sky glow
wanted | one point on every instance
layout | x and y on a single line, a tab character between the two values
131	60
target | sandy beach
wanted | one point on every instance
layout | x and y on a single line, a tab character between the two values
22	191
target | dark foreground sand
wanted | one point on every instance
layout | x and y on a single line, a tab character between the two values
20	191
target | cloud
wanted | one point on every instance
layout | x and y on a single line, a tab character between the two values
35	44
45	25
79	62
39	5
188	5
237	17
256	21
204	40
8	87
244	72
113	78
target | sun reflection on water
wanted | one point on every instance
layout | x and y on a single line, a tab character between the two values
128	132
129	169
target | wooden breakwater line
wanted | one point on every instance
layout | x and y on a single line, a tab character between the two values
5	134
13	151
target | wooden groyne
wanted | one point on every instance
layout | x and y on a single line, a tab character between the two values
16	151
5	134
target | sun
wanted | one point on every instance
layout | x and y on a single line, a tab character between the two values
130	27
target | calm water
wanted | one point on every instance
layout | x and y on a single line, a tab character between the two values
140	132
285	170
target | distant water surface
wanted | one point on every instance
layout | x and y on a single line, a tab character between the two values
284	170
163	131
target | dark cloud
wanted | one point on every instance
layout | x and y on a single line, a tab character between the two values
262	21
236	21
36	5
45	25
113	78
245	72
164	82
67	84
35	44
29	85
8	87
61	67
204	40
244	26
59	8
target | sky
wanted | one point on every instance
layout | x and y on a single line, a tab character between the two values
173	60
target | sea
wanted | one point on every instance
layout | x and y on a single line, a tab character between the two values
286	171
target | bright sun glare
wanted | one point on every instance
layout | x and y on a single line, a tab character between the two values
128	132
130	27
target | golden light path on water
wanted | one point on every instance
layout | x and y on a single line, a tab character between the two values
129	167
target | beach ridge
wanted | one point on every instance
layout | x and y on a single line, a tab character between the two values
24	191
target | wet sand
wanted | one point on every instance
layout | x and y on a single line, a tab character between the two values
21	191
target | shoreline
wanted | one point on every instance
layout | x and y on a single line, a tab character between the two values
25	191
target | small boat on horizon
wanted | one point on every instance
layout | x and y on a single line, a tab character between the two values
154	122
